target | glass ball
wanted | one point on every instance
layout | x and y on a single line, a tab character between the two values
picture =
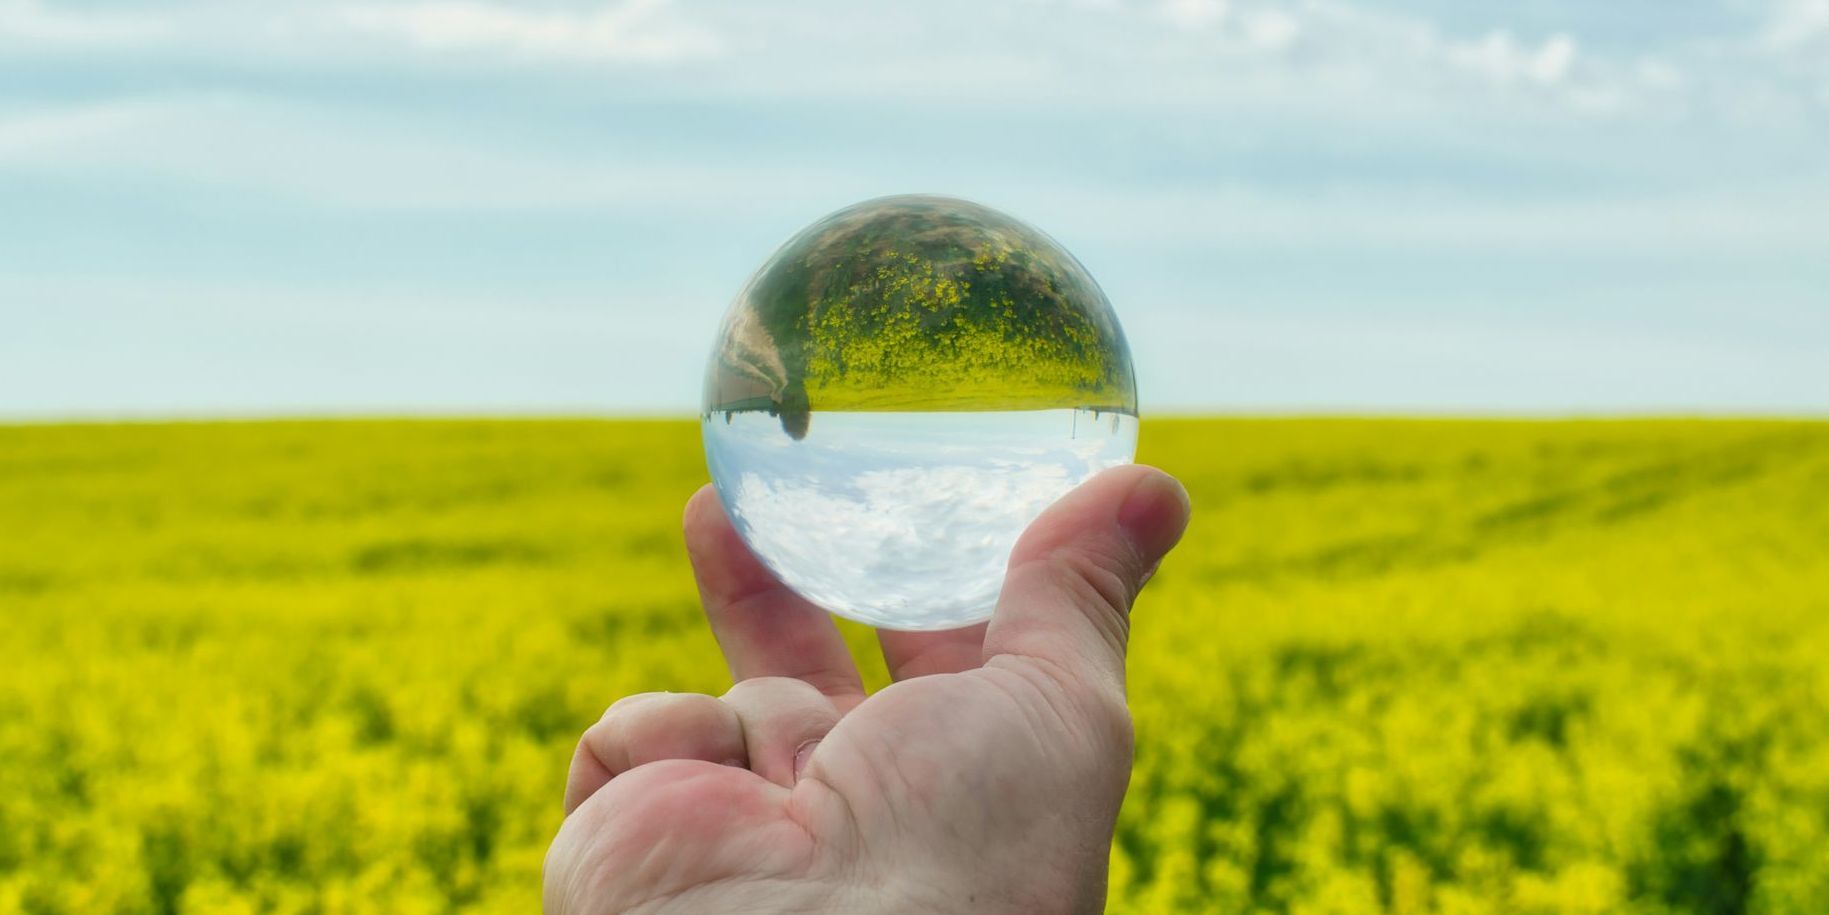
898	392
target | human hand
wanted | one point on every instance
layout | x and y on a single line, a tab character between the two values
987	778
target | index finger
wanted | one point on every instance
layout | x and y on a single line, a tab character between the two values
763	628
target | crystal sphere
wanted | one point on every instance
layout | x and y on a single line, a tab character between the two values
898	392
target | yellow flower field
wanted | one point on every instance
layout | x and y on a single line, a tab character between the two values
1396	666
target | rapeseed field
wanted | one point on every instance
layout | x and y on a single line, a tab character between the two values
1396	666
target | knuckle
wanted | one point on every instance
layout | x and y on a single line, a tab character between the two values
690	710
635	718
1102	591
781	702
628	702
772	688
1106	572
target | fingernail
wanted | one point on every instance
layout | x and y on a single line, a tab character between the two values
1155	513
802	755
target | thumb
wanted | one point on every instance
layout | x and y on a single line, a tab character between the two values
1074	573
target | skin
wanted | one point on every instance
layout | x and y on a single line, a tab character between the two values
987	778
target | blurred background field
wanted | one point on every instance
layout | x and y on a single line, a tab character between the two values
1397	666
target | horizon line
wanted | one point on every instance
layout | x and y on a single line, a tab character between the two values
1318	413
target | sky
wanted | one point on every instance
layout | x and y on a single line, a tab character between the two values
212	207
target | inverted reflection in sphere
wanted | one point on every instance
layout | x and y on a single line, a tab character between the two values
898	392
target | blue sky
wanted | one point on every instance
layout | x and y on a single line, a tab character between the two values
215	207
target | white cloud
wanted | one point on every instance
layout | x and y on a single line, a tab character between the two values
1503	59
1272	30
1380	70
1215	53
1261	28
1653	73
636	30
1194	14
350	159
1796	41
33	23
1372	58
904	520
1797	23
27	134
639	31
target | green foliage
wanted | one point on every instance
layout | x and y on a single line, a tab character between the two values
962	327
1395	667
920	303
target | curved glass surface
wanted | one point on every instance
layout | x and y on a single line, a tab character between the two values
898	391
